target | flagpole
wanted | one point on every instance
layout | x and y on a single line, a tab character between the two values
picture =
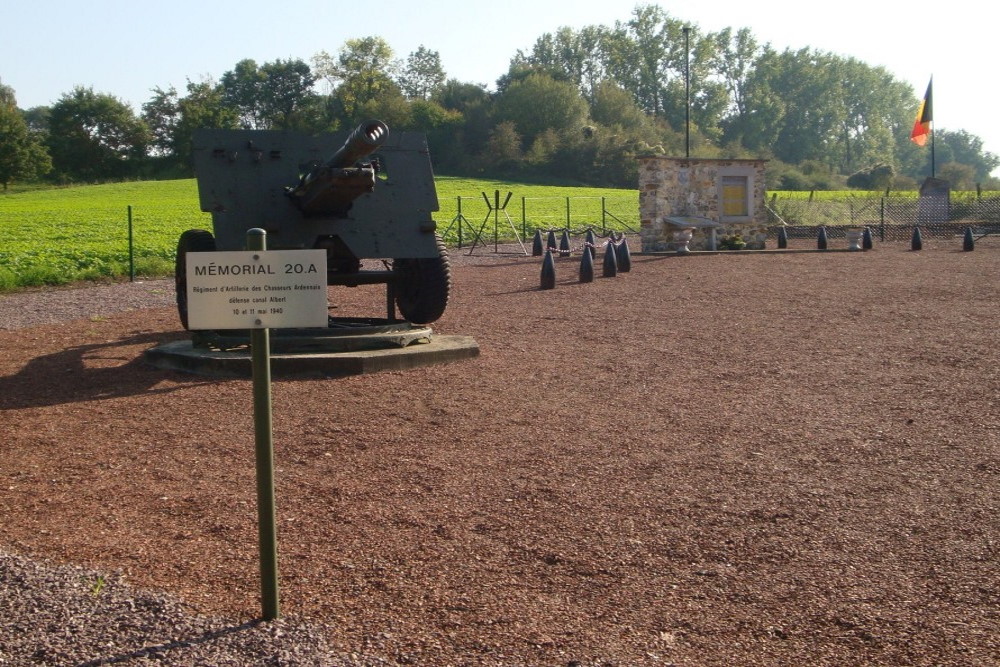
932	151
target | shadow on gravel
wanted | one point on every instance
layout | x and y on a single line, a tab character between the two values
94	371
157	652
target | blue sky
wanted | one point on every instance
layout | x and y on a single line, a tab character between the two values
126	48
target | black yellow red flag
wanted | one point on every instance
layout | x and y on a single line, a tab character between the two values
922	125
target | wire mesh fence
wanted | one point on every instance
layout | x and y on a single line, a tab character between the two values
870	211
505	219
888	218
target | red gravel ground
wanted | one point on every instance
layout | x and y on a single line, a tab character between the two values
711	460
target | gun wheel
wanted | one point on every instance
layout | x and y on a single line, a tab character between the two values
422	285
193	240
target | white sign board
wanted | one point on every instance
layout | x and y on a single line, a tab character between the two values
256	289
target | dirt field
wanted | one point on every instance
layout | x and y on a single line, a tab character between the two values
714	460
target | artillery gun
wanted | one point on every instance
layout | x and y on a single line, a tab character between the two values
372	199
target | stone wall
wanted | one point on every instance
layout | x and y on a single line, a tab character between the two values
692	187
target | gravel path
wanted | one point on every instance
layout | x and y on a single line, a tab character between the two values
49	306
64	615
710	460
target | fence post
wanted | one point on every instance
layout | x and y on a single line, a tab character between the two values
567	213
131	248
881	221
459	200
524	218
496	221
604	216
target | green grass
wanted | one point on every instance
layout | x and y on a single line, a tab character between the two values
63	235
67	234
53	236
531	207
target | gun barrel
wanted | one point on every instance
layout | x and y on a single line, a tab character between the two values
364	140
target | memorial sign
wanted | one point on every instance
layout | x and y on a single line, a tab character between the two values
257	289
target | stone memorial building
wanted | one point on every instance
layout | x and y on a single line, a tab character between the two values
701	204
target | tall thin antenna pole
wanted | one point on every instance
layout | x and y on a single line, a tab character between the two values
687	93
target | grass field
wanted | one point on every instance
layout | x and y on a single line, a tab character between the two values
59	235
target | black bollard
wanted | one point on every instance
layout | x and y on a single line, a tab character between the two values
548	271
587	266
968	241
866	239
821	239
536	244
589	238
610	260
782	238
623	256
564	244
917	242
551	241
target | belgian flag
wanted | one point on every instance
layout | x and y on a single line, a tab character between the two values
922	125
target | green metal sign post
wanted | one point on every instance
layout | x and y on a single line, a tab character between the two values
260	350
259	290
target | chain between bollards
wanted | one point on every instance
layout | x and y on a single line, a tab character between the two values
260	350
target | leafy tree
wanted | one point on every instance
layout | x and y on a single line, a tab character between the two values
364	70
809	86
757	112
455	146
645	54
7	97
569	54
276	95
960	176
734	59
202	107
966	148
539	103
520	70
503	150
875	108
443	128
289	100
614	106
241	92
37	119
460	96
709	97
22	155
162	114
542	149
390	107
423	76
172	120
95	136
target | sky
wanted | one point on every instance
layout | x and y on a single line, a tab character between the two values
127	48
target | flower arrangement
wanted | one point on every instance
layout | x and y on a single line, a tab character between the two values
732	243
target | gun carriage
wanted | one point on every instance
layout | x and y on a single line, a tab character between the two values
372	199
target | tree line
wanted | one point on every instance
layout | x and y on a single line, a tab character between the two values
579	106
